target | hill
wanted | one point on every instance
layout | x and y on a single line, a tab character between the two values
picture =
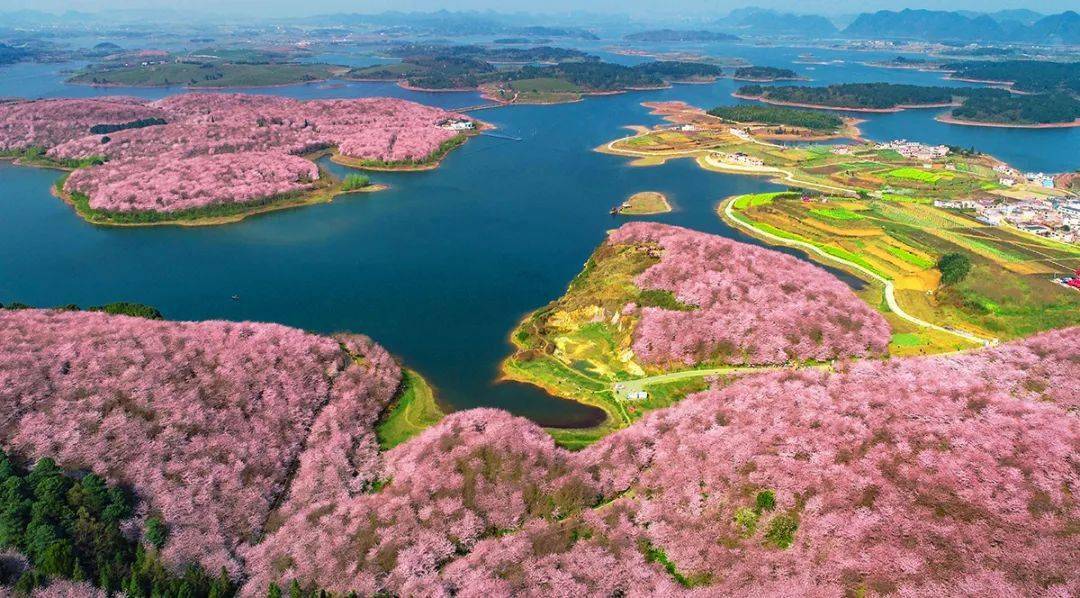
759	21
951	25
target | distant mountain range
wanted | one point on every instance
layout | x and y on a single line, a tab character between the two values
761	21
940	25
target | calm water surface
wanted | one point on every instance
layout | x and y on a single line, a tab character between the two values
439	268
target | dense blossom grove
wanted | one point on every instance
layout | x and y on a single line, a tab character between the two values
202	419
201	129
186	183
48	123
947	475
753	305
932	476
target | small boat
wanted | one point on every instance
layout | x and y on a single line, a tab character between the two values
236	297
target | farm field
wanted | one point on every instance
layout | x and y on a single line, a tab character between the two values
873	207
1008	293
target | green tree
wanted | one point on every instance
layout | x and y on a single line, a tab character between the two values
954	268
156	533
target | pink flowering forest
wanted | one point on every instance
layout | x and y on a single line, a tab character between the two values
214	148
751	305
946	475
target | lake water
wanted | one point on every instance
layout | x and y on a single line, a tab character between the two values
441	267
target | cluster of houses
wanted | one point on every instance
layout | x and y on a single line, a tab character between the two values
1009	177
738	158
914	150
1054	218
458	124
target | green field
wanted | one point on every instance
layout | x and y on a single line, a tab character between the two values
414	411
837	213
922	176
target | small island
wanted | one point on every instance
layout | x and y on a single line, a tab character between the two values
644	203
765	74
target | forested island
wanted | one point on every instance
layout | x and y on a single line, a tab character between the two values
765	73
540	74
673	35
994	107
1030	76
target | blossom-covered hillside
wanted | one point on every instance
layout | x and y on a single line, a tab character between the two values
205	420
49	123
932	476
169	155
947	475
750	305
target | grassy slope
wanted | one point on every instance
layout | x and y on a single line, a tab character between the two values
414	411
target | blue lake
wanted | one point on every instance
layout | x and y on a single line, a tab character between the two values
441	267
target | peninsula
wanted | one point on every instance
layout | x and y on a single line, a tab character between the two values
989	106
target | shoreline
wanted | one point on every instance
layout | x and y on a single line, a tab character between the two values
209	87
309	198
950	120
896	108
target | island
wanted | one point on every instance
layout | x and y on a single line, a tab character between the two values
763	74
673	35
975	106
205	68
890	214
1027	76
539	75
201	159
644	203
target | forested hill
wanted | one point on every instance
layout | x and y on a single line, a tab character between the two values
1026	75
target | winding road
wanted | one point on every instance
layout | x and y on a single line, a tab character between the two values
890	293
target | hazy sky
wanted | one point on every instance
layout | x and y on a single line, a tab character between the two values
304	7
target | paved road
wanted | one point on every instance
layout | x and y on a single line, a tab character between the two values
890	294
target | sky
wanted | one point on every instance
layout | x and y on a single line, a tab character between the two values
277	8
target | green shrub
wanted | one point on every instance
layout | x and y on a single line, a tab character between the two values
765	501
781	531
126	308
354	181
747	520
